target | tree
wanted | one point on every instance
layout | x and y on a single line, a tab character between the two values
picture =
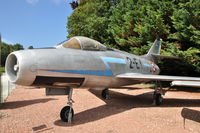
16	47
74	4
6	49
30	47
185	21
90	19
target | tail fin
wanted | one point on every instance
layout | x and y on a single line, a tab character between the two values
155	48
154	52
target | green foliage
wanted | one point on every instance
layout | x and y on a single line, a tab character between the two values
186	22
6	49
30	47
16	47
135	22
90	19
2	70
133	25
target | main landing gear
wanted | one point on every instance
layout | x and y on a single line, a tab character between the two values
67	112
157	95
105	94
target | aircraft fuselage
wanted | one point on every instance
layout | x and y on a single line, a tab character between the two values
61	67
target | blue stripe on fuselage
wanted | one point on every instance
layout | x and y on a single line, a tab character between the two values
107	60
146	65
86	72
107	72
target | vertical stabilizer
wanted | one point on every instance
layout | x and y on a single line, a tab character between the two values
154	50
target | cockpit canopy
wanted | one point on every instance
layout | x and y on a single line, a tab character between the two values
83	43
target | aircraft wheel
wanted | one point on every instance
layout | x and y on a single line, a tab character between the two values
66	115
105	94
158	99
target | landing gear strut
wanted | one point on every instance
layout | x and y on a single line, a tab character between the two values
105	94
157	98
157	95
67	112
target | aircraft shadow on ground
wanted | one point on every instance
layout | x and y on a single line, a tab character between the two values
19	104
120	102
128	88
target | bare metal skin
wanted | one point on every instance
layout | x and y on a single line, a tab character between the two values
83	62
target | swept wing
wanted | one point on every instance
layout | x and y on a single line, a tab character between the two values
176	80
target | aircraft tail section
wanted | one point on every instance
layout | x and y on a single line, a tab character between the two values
154	52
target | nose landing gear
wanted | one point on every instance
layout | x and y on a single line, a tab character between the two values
157	99
105	94
157	95
67	112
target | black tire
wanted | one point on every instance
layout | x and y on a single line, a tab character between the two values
158	99
105	94
65	112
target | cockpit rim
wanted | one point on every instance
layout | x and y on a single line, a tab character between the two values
85	43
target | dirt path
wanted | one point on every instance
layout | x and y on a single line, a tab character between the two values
128	111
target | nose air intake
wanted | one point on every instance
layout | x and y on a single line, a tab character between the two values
12	67
20	69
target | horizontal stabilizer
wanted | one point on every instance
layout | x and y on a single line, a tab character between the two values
154	52
164	56
185	83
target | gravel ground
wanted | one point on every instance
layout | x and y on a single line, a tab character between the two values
128	111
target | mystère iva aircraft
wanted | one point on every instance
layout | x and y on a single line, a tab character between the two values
86	63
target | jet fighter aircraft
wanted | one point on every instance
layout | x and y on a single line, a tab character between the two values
86	63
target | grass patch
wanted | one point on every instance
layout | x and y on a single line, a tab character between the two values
2	70
149	85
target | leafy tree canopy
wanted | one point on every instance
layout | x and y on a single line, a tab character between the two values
30	47
6	49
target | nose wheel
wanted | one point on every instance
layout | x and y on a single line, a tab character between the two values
67	112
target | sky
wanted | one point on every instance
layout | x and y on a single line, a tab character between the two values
37	23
